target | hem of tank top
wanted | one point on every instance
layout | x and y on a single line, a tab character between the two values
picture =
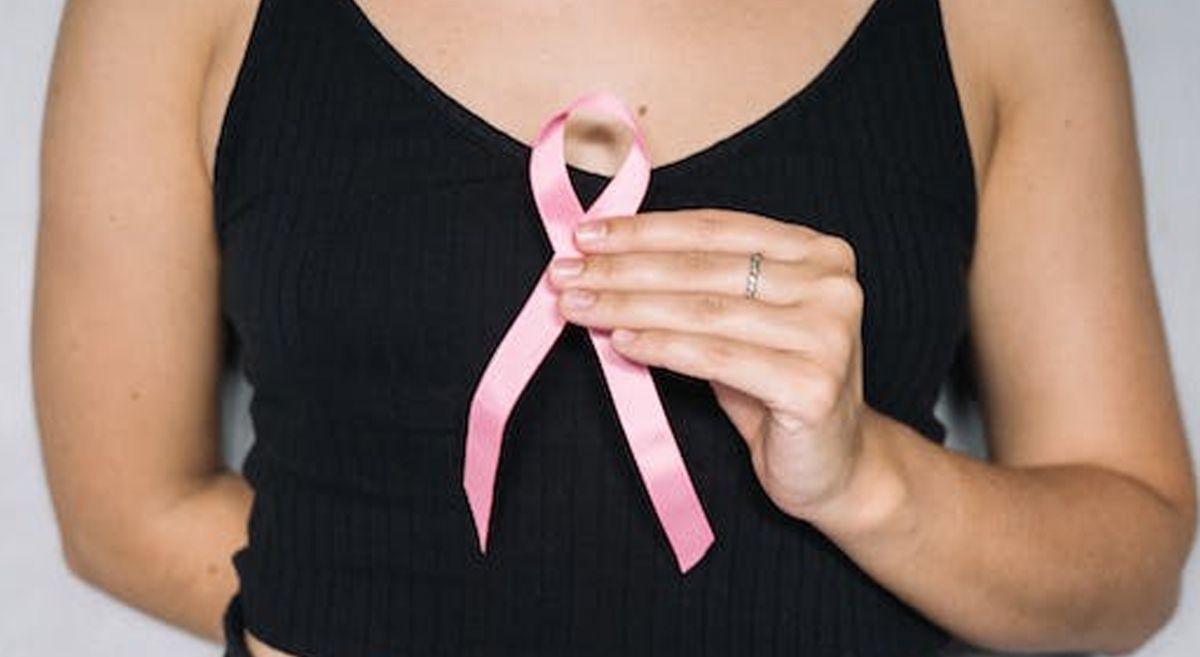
502	143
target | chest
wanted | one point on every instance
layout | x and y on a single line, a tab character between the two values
377	230
695	71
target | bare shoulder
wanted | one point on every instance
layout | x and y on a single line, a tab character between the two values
117	34
1007	53
1027	41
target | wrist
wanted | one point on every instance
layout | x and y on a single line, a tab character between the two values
876	499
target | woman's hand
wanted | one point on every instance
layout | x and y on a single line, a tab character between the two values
785	366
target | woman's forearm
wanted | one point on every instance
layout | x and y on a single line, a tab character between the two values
176	566
1070	557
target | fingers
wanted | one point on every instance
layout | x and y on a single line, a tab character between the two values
812	329
706	229
685	272
786	382
781	282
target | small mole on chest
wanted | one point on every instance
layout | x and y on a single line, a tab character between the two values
641	110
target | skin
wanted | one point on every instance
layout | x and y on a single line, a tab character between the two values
1072	536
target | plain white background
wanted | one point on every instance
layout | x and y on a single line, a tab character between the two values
44	611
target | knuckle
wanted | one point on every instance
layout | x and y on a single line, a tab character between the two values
842	251
844	290
857	295
718	355
634	226
830	339
708	307
694	262
708	226
824	326
610	303
600	267
840	344
802	234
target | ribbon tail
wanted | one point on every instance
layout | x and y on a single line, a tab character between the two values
521	351
656	453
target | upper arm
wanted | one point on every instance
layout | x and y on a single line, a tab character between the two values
1066	331
126	333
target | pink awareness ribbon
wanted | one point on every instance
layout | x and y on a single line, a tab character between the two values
537	327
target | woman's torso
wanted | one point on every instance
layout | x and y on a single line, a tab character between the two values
514	66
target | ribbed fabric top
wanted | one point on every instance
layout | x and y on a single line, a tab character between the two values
378	238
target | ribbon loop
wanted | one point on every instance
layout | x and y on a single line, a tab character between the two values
537	327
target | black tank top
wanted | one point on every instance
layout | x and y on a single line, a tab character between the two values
377	239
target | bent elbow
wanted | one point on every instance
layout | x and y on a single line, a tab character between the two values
1154	614
1154	618
79	554
74	557
94	558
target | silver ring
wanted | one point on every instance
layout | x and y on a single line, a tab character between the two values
754	275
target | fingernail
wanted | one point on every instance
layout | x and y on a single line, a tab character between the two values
566	266
591	231
576	298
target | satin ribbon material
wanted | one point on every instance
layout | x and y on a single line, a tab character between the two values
537	327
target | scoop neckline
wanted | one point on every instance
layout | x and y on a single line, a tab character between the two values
502	143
